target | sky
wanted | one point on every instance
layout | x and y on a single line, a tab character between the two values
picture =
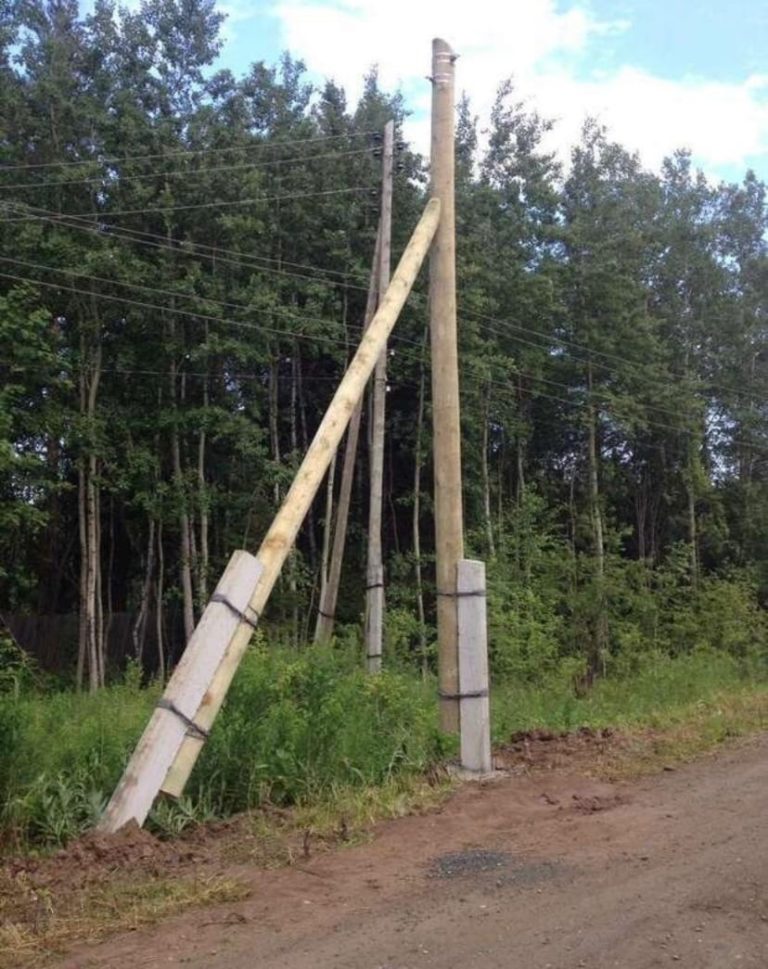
661	74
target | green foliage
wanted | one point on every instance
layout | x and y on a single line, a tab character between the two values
63	753
660	691
17	669
163	374
293	727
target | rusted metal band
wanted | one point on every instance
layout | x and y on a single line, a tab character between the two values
475	593
242	616
474	695
192	728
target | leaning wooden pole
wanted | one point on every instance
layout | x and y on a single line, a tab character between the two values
374	586
172	740
449	529
326	613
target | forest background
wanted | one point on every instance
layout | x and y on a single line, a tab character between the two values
184	257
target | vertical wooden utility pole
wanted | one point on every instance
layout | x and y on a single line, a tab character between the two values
449	528
374	597
326	613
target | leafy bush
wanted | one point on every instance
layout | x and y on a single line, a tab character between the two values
294	726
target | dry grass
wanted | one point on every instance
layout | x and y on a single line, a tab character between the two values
701	728
277	838
38	924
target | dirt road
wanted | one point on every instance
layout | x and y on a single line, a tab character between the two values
549	871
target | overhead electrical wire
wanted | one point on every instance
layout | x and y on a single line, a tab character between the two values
543	345
632	365
258	327
482	381
281	311
186	172
212	205
174	293
213	253
128	159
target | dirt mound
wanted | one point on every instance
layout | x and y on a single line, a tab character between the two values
131	845
546	749
95	857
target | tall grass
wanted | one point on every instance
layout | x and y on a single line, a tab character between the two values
294	726
298	726
661	690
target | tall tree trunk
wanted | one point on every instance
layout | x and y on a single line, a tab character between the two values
693	538
110	604
139	631
274	435
486	477
520	446
600	636
160	604
641	516
310	527
292	561
185	564
500	530
204	555
327	531
98	596
417	520
92	551
82	643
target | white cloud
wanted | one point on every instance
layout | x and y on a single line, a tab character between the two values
548	51
723	124
236	12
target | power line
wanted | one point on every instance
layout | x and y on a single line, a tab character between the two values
183	311
281	311
165	292
485	379
545	338
261	328
142	372
633	365
481	381
557	383
128	159
209	205
505	394
478	384
186	172
212	253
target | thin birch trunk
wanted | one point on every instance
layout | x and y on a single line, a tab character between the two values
327	530
311	525
204	554
139	631
91	532
417	521
596	659
159	604
292	563
82	643
487	478
374	611
185	565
